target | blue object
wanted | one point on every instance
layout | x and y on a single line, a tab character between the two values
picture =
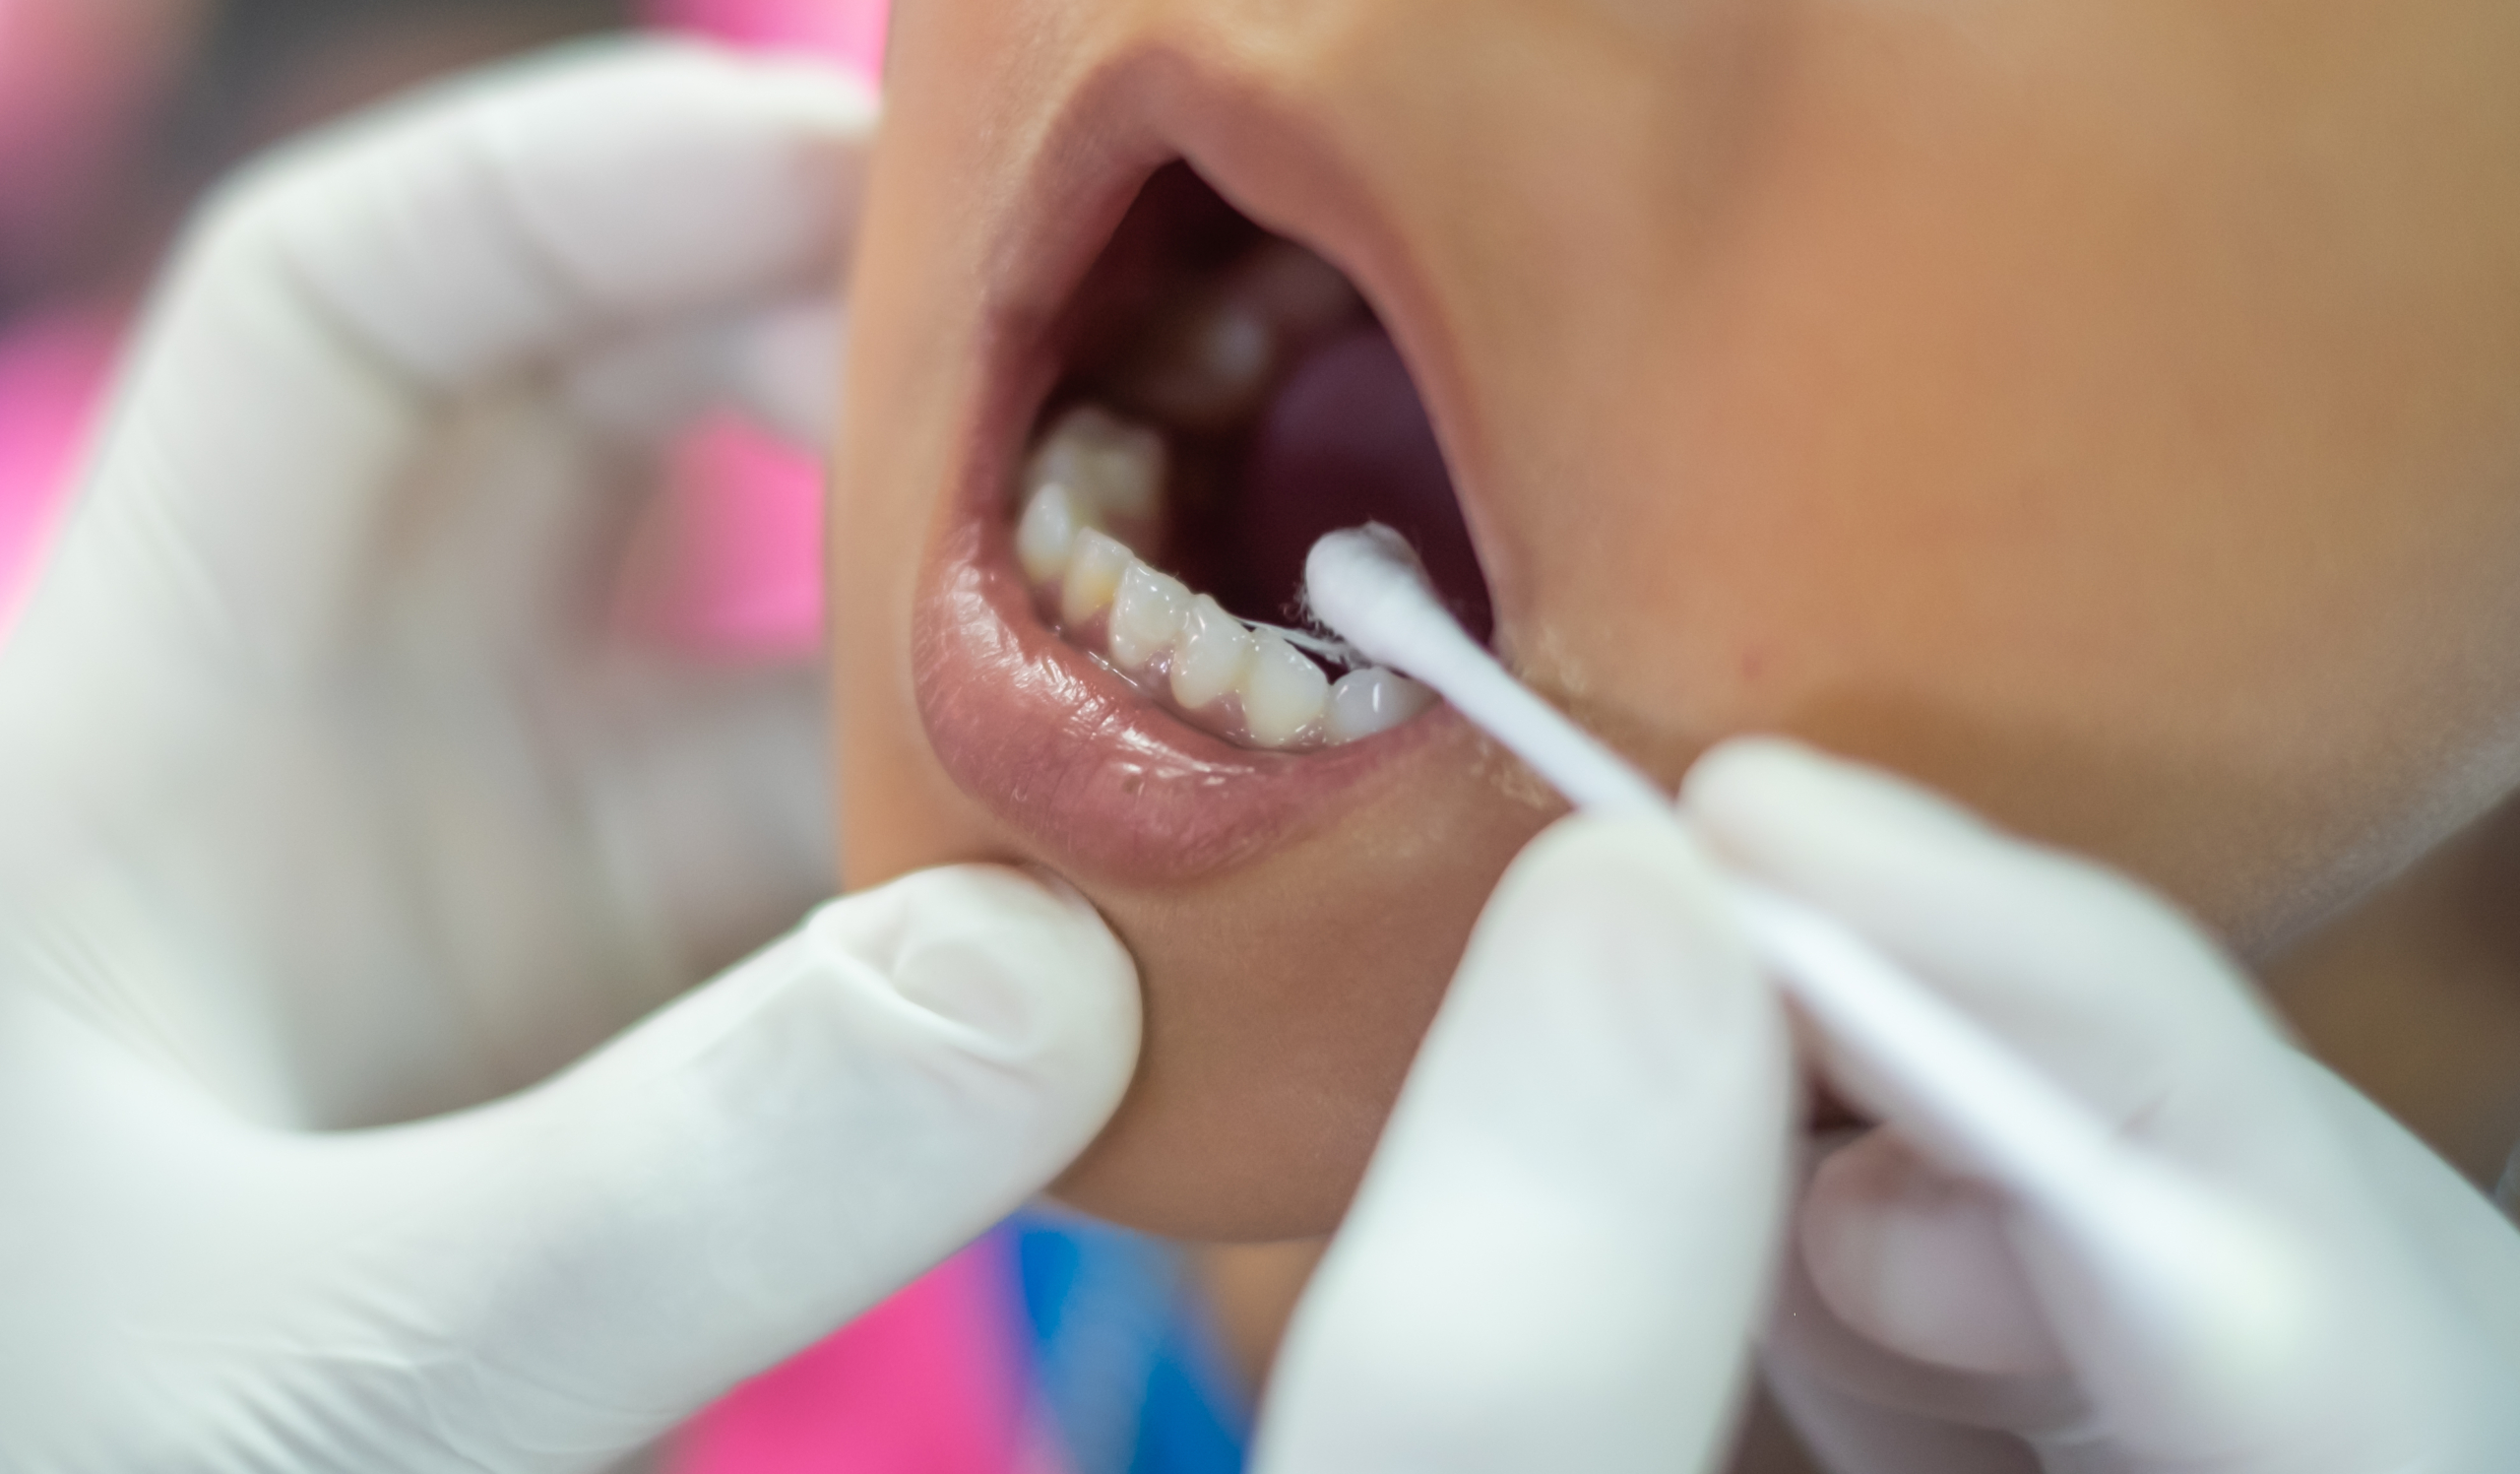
1126	1362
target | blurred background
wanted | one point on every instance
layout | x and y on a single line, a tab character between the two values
1053	1346
116	114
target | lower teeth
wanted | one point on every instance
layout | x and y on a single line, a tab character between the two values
1087	514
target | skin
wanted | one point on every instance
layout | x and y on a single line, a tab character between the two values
2107	411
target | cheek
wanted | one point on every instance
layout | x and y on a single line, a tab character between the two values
2171	683
2043	462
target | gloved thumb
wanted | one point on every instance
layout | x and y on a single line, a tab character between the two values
762	1160
1564	1240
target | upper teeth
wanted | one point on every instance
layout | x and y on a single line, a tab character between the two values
1094	471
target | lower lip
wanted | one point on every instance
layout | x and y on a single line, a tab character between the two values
1101	783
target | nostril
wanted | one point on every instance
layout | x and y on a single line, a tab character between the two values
1348	440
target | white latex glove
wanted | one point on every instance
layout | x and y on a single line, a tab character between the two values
332	801
1557	1254
1561	1250
1930	1327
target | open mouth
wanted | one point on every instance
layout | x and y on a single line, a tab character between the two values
1241	403
1111	649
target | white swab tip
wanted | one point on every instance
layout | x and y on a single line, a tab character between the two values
1353	576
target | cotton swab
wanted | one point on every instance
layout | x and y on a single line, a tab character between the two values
2217	1294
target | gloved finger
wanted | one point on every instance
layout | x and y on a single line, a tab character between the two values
711	791
2092	979
1849	1432
1563	1239
1921	1261
1919	1342
590	1262
1933	1296
530	210
529	549
2127	1005
2461	1237
335	297
780	364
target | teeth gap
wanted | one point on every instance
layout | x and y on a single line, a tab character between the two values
1327	648
1229	397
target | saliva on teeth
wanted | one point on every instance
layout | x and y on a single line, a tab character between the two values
1091	500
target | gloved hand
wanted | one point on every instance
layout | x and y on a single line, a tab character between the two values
1930	1327
1560	1250
333	802
1558	1255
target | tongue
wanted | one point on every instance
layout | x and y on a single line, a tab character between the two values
1347	441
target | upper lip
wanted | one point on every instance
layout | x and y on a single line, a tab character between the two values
1094	778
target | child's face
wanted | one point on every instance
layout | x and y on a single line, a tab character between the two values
2107	410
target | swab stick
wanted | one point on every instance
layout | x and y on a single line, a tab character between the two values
2217	1294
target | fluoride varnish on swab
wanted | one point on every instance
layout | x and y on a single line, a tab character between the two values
2216	1295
